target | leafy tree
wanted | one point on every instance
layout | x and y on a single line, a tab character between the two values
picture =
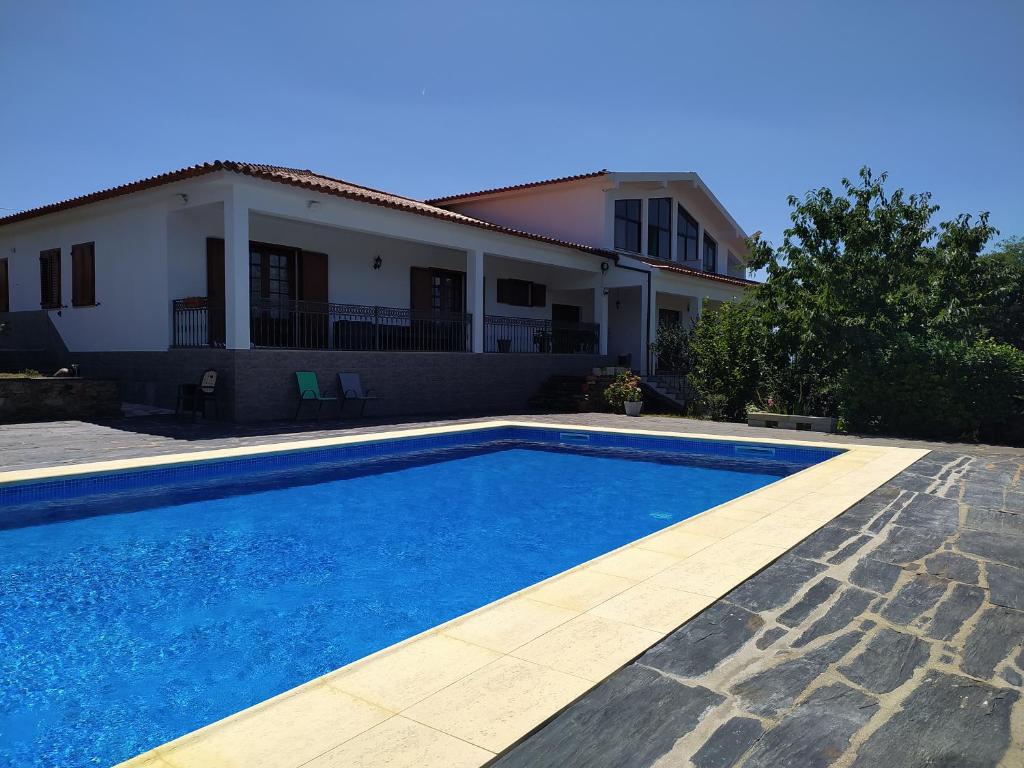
873	312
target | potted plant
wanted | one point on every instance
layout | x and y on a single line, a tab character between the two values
624	392
504	345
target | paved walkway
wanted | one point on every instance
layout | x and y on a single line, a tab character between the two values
891	637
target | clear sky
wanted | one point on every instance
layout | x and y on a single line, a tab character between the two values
763	99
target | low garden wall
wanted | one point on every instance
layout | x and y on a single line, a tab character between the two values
55	399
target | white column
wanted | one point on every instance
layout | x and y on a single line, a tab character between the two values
696	307
236	272
475	297
601	317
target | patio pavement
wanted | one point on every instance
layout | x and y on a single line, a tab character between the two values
890	637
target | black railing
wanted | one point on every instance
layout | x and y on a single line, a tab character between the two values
322	325
196	323
522	334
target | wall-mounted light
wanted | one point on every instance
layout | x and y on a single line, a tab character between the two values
607	291
312	204
182	198
604	267
377	261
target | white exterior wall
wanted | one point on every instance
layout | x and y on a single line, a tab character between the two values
133	311
572	211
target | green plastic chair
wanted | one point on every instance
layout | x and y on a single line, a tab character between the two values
309	390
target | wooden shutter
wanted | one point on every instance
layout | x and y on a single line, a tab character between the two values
5	296
421	297
313	276
83	275
49	279
215	324
538	295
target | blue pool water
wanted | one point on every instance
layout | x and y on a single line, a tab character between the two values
130	617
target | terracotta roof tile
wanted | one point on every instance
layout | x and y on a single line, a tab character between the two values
305	179
672	266
527	185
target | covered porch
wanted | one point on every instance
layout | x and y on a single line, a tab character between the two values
251	279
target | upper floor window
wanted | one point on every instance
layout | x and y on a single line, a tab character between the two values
627	225
710	254
686	234
83	275
49	279
521	293
659	227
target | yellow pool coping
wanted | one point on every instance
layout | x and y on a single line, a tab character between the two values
460	693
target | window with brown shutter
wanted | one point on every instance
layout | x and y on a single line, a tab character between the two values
5	296
49	279
83	275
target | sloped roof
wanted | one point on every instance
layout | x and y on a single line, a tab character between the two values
296	177
672	266
512	187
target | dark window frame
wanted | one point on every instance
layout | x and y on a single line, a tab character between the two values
708	240
629	224
83	275
5	285
50	279
659	231
687	232
520	293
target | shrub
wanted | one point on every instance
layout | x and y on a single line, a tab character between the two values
672	346
624	389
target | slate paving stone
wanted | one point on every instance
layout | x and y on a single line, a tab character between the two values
728	744
700	645
769	637
995	521
962	603
1014	502
1013	677
998	633
847	551
612	726
888	661
850	605
946	721
776	584
993	546
817	731
865	510
777	687
950	565
823	541
911	481
1006	585
927	511
812	598
983	492
879	523
905	545
875	574
918	595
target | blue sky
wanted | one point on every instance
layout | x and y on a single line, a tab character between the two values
763	99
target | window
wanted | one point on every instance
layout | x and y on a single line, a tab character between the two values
437	291
710	254
83	275
271	277
627	225
669	317
49	279
659	227
521	293
686	233
5	297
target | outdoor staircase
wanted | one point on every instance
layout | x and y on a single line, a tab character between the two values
563	394
672	390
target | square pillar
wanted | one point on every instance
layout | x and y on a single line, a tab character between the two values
601	317
236	273
475	297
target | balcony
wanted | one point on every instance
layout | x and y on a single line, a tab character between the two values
357	327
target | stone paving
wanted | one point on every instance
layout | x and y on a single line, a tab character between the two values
890	637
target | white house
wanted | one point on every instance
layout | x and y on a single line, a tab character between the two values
462	303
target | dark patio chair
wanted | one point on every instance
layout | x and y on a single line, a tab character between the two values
351	388
194	397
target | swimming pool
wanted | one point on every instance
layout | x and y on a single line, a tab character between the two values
140	605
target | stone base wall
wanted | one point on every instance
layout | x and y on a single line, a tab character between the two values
55	399
259	384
